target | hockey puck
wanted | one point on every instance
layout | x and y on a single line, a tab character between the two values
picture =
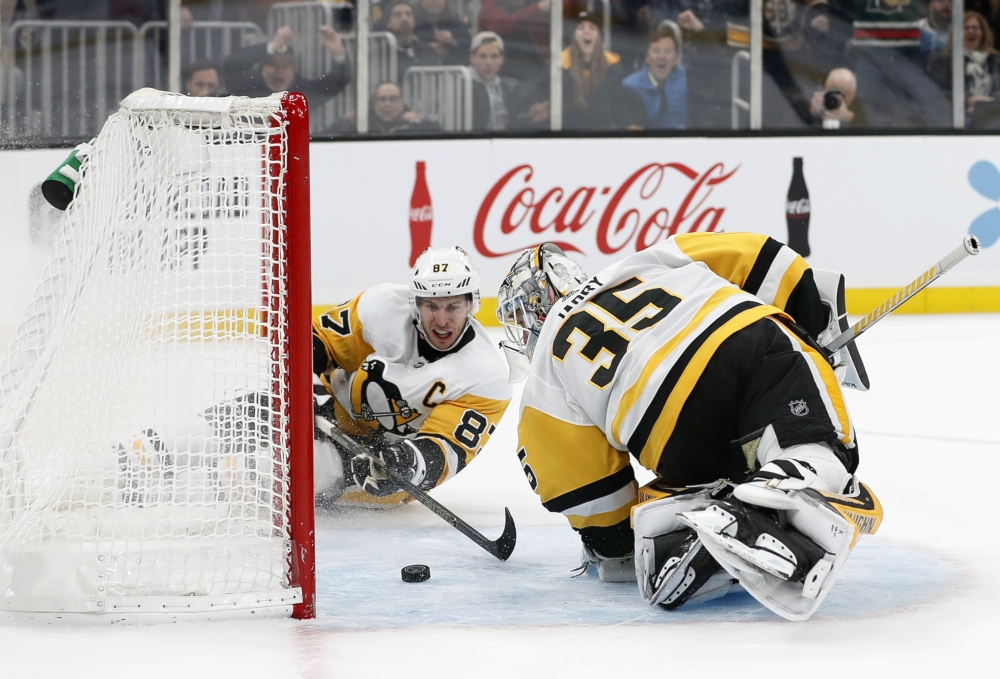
416	573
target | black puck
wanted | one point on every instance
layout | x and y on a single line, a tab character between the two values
416	573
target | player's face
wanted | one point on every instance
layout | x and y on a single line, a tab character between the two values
443	319
487	60
203	83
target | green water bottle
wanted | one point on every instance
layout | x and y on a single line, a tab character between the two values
58	188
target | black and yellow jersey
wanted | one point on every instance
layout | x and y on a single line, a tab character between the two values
617	359
386	379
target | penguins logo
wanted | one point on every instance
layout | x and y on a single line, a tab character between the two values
378	402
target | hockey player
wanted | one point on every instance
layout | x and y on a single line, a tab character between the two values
667	356
411	374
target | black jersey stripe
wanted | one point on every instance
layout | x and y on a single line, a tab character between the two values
758	272
637	442
454	447
321	359
592	491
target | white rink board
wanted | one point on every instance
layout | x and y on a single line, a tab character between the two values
883	208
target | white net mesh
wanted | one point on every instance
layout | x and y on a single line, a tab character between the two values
143	409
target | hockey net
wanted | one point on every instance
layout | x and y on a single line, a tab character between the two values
148	426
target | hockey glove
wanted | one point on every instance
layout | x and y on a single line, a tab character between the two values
403	457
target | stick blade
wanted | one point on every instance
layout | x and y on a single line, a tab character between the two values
504	545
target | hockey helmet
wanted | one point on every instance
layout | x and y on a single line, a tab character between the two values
538	279
443	272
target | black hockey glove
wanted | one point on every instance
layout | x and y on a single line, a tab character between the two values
403	457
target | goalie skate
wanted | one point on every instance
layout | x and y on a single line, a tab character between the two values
750	536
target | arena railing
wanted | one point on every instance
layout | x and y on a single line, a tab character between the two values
204	40
68	76
442	94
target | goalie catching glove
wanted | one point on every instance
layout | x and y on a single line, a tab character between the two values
403	457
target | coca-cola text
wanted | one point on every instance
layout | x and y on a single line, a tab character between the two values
638	213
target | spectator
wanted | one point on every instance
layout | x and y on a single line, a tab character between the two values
982	70
493	95
390	115
707	56
524	27
935	29
593	95
892	76
662	83
410	50
438	25
262	69
831	105
201	79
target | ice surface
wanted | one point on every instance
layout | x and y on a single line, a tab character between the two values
918	599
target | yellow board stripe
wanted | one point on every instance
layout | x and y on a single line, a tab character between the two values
665	423
632	395
933	300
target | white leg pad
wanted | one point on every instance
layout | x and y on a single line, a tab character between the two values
653	519
762	577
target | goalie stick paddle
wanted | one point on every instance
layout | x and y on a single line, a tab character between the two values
969	246
501	548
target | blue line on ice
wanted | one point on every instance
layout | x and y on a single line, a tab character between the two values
360	585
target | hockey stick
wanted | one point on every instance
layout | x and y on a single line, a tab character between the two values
969	246
501	548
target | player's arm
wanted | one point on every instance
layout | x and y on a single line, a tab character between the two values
339	340
763	267
454	433
576	472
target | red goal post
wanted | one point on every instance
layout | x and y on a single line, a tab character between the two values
156	400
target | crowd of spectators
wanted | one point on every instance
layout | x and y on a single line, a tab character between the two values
669	65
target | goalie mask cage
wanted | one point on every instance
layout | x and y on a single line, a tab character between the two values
156	402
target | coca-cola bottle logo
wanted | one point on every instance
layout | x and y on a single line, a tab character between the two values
651	204
422	214
797	207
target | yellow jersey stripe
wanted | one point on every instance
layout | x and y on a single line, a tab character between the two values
667	420
822	369
634	393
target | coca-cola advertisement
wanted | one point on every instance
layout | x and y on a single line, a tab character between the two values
377	205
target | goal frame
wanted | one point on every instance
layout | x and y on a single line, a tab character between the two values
286	175
302	568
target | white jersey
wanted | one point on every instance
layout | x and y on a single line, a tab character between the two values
386	378
617	359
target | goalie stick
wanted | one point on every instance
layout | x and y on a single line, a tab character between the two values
501	548
969	246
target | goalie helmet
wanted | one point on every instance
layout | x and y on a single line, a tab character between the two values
538	279
443	272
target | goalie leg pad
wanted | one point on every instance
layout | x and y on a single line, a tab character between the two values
671	567
788	566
